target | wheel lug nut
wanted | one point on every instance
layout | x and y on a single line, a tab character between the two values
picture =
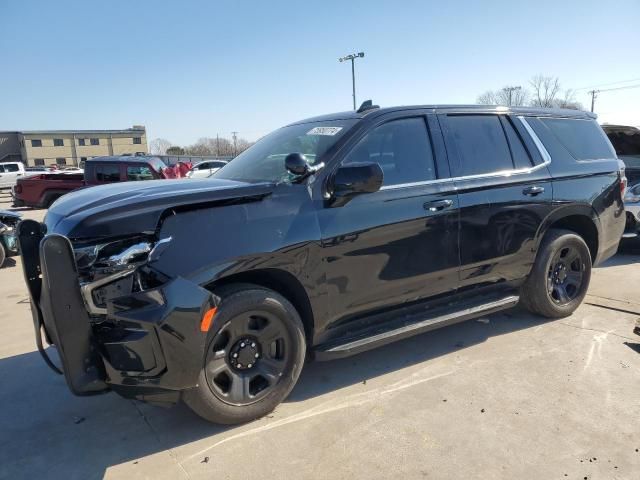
235	355
239	365
242	345
257	355
249	366
253	345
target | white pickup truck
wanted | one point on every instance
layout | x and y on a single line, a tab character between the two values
10	172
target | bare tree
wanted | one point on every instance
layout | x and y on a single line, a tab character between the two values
568	100
506	96
545	91
175	150
159	146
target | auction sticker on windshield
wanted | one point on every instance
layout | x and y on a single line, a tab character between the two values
324	131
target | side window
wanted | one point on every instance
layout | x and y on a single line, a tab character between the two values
139	172
584	139
204	166
1	169
521	157
108	173
11	167
401	147
481	144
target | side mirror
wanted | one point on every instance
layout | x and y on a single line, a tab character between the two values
297	164
351	180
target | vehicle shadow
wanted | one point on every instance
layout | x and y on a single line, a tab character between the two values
9	263
47	432
625	256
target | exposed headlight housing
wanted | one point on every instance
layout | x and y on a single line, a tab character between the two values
116	268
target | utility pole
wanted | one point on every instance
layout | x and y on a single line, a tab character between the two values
217	145
593	93
235	142
510	90
352	57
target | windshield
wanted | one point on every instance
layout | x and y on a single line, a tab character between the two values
264	161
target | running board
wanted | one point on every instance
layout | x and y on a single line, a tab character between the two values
409	329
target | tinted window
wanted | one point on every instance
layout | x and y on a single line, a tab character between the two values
36	143
58	142
204	166
11	167
1	169
481	144
139	172
584	139
401	147
108	173
521	157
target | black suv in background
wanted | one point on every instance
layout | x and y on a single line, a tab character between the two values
328	237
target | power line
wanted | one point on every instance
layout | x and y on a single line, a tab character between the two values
594	92
607	84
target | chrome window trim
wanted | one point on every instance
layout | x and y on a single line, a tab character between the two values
503	173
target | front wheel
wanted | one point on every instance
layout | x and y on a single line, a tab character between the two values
253	359
560	277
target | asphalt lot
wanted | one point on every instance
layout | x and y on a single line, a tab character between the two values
506	396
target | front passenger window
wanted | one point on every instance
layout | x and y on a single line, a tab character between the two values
402	149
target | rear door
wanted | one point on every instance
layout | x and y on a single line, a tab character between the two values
504	191
399	244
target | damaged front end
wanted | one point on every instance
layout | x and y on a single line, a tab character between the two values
116	322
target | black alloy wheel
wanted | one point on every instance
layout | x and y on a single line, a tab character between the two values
247	357
565	276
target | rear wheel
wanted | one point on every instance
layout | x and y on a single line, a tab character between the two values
560	277
253	358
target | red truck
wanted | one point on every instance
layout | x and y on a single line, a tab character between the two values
40	191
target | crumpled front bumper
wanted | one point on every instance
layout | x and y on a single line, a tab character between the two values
149	346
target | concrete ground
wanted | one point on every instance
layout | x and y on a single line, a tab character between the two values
507	396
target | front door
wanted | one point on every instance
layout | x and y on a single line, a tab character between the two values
399	244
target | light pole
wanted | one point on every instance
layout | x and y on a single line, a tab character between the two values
352	57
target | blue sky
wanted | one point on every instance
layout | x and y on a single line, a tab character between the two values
188	69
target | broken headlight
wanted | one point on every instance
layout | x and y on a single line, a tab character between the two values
116	268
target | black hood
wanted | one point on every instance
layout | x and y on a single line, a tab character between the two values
135	207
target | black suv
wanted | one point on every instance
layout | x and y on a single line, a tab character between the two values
328	237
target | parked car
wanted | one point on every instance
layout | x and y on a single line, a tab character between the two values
41	190
10	172
326	238
626	142
206	169
8	240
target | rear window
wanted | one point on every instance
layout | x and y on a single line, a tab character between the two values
584	139
481	143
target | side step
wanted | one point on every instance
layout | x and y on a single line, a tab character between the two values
409	328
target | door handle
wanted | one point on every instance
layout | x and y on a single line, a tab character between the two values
437	205
533	191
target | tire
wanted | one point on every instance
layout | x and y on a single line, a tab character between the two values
554	271
3	255
251	321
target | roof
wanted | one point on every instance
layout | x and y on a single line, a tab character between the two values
123	158
529	111
141	130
